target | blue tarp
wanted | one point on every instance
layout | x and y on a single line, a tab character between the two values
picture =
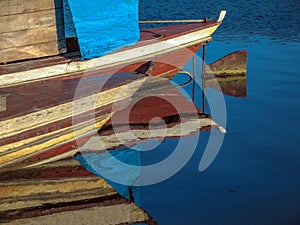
104	26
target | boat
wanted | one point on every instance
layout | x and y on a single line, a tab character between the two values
38	91
143	99
155	98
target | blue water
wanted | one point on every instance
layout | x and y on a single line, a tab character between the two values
275	19
255	177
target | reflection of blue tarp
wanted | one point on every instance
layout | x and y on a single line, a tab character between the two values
104	26
104	165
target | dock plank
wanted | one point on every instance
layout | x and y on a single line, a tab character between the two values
27	31
31	20
30	52
30	37
12	7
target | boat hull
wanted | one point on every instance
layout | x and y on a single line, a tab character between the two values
40	122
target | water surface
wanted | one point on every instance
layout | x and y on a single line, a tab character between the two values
255	177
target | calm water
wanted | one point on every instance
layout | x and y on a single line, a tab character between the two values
255	178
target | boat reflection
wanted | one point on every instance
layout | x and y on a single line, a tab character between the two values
63	191
228	74
157	111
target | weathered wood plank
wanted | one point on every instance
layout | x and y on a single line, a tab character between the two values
29	52
31	20
30	37
3	100
88	212
31	29
52	187
11	7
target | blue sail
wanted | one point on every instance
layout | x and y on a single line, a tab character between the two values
104	26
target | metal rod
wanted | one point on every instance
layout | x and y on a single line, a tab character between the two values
194	78
203	78
170	21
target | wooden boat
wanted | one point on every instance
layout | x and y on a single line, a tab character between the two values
37	95
155	98
147	108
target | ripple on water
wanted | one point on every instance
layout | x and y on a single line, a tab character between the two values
275	19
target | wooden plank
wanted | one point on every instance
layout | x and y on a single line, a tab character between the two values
30	37
112	211
31	20
68	168
11	7
65	185
29	52
3	99
59	184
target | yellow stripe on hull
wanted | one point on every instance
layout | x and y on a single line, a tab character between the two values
46	145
